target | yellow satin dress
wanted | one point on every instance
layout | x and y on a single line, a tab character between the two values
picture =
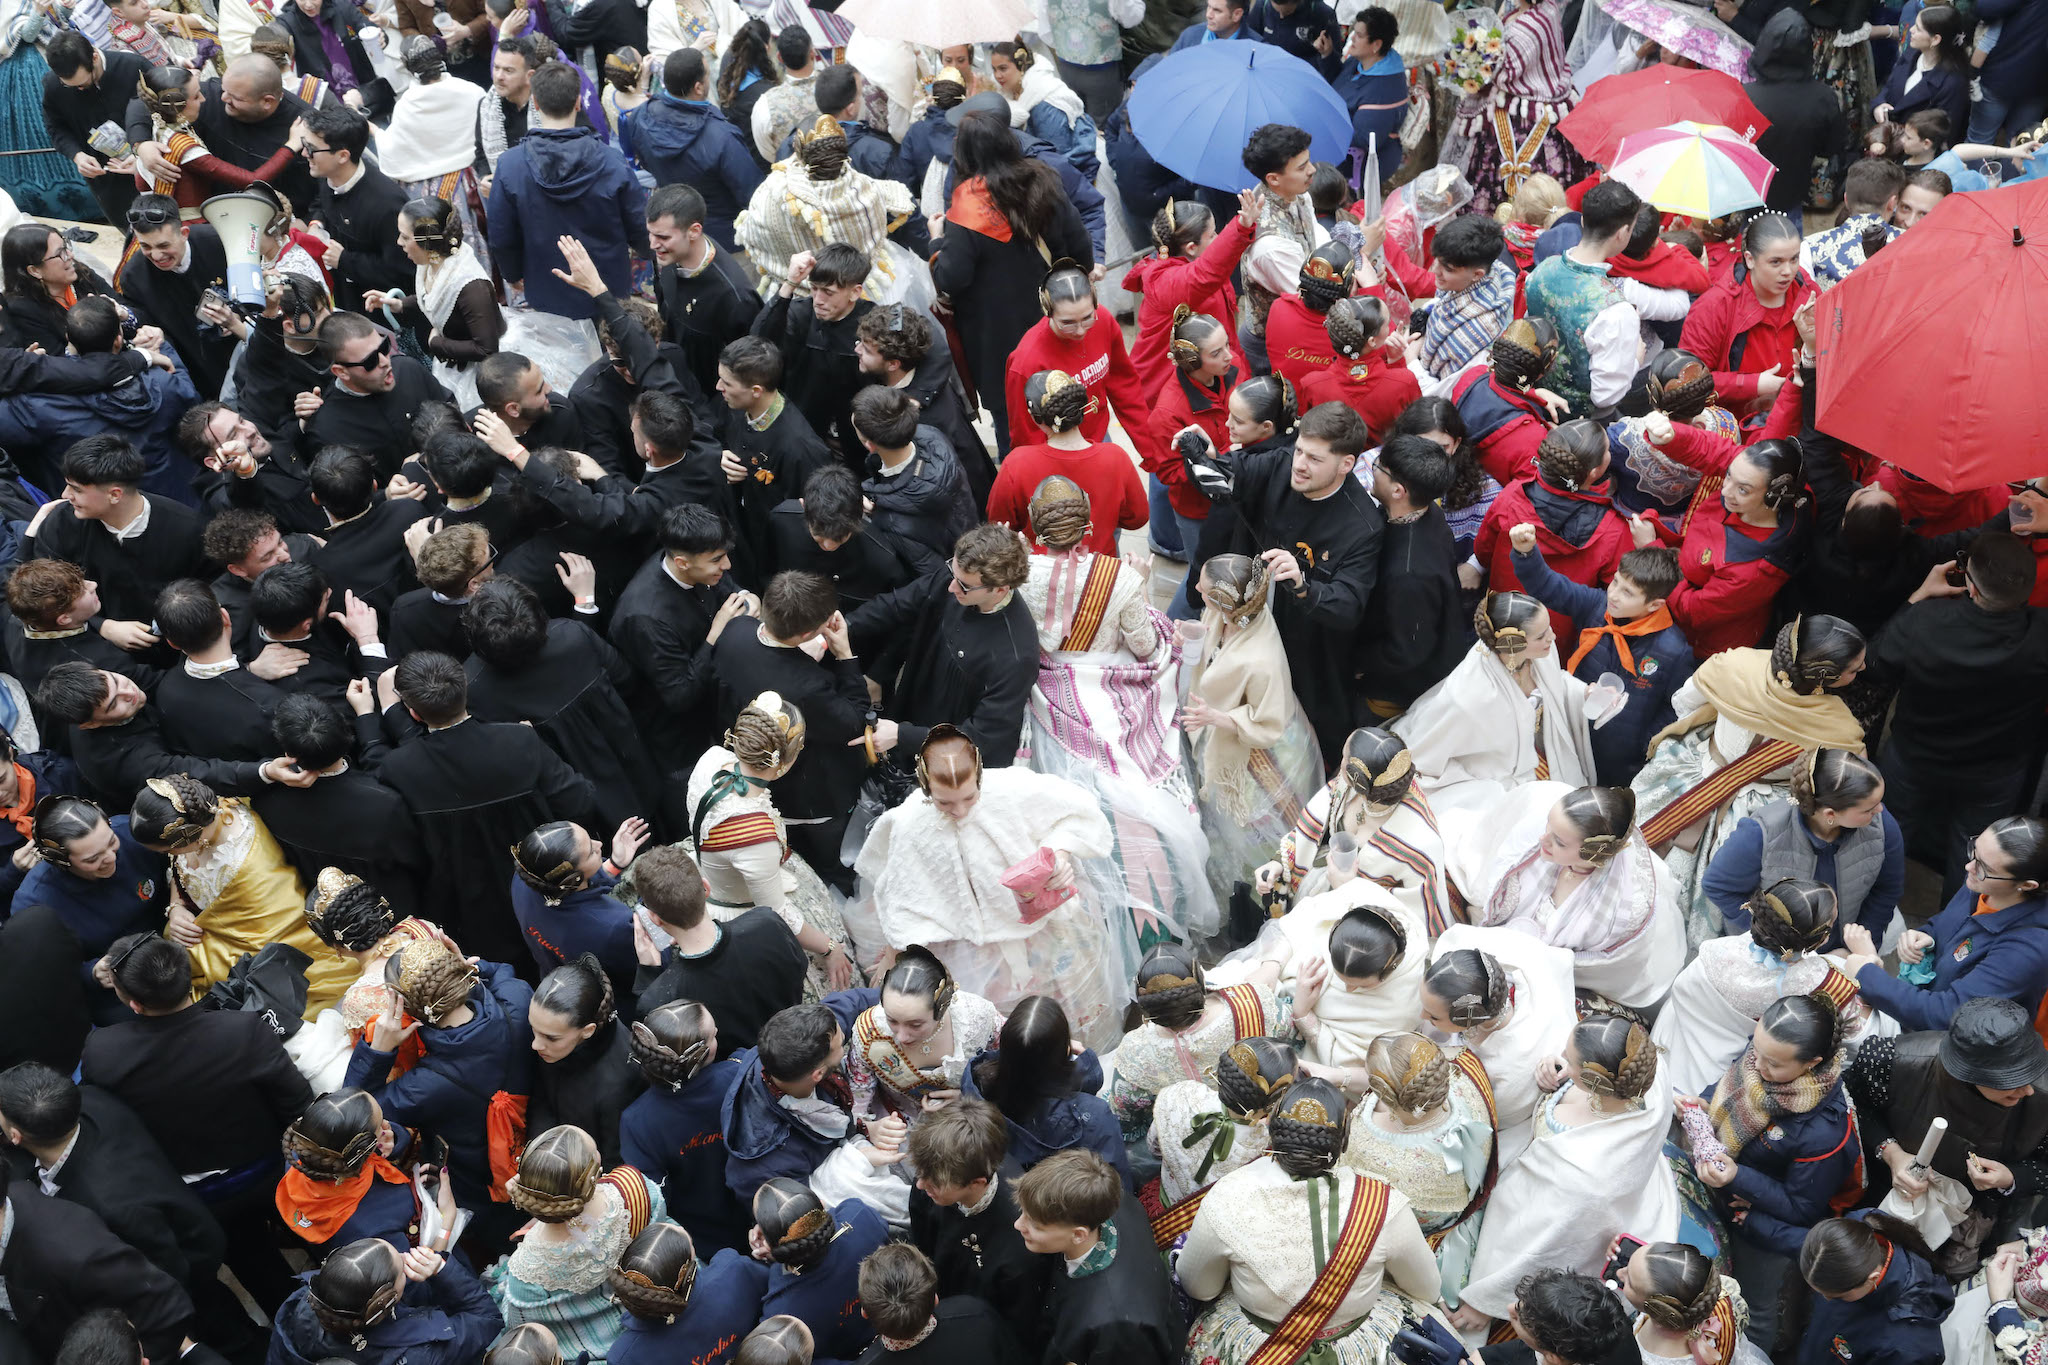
246	896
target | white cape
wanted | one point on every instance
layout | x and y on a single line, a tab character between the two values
1545	1011
1473	735
432	132
1571	1192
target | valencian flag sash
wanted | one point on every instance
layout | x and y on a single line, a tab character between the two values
1348	1254
1711	792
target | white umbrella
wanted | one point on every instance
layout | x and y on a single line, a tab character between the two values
940	23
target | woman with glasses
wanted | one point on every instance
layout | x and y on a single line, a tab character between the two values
1991	939
172	96
1078	338
43	279
100	881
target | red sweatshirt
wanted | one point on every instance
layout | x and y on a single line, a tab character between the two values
1116	496
1297	342
1371	386
1177	405
1928	511
1100	362
1203	284
1666	267
1591	562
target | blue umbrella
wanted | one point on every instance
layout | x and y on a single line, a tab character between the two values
1194	111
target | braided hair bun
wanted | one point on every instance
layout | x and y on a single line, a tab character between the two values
1059	513
1523	352
1307	1132
1254	1074
822	149
673	1043
546	860
1812	652
1056	400
1616	1056
1503	623
1573	457
655	1273
1171	990
1684	1286
333	1139
1792	917
1473	986
431	978
1353	322
1408	1072
794	1222
558	1172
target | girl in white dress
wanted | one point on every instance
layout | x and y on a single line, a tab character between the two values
1509	1000
1202	1133
905	1054
1690	1313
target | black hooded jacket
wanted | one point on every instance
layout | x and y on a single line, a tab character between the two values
1806	119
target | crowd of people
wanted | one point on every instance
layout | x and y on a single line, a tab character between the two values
1080	769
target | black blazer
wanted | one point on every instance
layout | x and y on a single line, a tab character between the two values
61	1262
117	1170
227	1065
43	1014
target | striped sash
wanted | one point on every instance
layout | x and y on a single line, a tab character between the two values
1348	1255
1414	859
1839	989
631	1187
740	831
1711	792
879	1051
1474	1070
1172	1223
1094	603
1246	1013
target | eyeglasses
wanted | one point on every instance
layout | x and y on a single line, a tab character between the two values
370	361
960	583
62	253
1972	863
309	151
144	216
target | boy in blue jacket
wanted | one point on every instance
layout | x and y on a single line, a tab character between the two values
1624	629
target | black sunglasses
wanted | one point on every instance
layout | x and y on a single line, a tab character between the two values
370	361
145	216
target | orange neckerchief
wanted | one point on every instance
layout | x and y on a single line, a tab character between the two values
316	1209
22	814
973	208
69	298
1642	625
1985	907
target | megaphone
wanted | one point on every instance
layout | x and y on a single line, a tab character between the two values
241	219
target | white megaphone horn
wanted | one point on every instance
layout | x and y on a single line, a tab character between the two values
241	220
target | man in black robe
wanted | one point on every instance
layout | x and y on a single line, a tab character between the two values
374	395
743	970
293	608
51	606
211	704
282	361
963	1215
634	363
899	1296
172	268
817	794
357	206
346	818
117	739
706	296
1115	1304
1319	532
770	449
365	551
247	542
475	789
817	335
245	471
666	623
61	1262
244	117
825	532
129	542
972	651
513	389
565	681
896	348
1416	627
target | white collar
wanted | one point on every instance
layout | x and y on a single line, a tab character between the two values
352	181
988	1196
48	1174
135	527
227	665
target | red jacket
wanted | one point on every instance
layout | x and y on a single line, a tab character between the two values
1666	267
1506	426
1722	605
1116	496
1179	404
1416	278
1729	330
1591	561
1928	511
1370	386
1297	342
1203	284
1103	366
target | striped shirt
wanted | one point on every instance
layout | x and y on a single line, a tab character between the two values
1463	325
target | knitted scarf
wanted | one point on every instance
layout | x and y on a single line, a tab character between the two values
1745	1103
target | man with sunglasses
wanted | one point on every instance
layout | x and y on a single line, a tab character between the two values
166	281
374	394
1970	662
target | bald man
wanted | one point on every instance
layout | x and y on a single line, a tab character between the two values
244	117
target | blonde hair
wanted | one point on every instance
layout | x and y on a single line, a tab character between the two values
767	733
1537	203
557	1173
1408	1072
1059	513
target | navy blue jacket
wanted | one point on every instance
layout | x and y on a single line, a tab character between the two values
448	1094
2002	953
725	1305
688	142
673	1136
2018	66
145	409
1142	185
871	153
1733	877
98	912
1897	1323
1663	662
1081	1119
561	182
1790	1171
588	921
447	1320
928	138
1948	91
1296	32
827	1295
762	1139
1377	99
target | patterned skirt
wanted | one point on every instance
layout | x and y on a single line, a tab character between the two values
1502	146
1673	769
1227	1335
1848	72
1247	817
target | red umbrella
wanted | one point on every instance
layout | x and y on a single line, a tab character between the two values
1654	97
1940	378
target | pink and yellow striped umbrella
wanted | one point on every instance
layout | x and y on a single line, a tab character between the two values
1701	170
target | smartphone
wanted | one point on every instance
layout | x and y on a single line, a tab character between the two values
1959	576
1617	1264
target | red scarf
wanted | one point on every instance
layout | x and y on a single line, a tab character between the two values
975	209
1655	621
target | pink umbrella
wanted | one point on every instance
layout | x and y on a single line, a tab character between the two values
1701	170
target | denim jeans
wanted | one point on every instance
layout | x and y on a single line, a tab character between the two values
1991	113
1183	607
1164	532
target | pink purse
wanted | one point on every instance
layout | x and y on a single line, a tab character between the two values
1027	881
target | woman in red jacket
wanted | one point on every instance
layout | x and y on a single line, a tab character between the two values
1506	415
1581	535
1060	406
1735	557
1361	377
1742	327
1203	370
1192	266
1078	339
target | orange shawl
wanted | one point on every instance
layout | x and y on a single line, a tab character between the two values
316	1209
